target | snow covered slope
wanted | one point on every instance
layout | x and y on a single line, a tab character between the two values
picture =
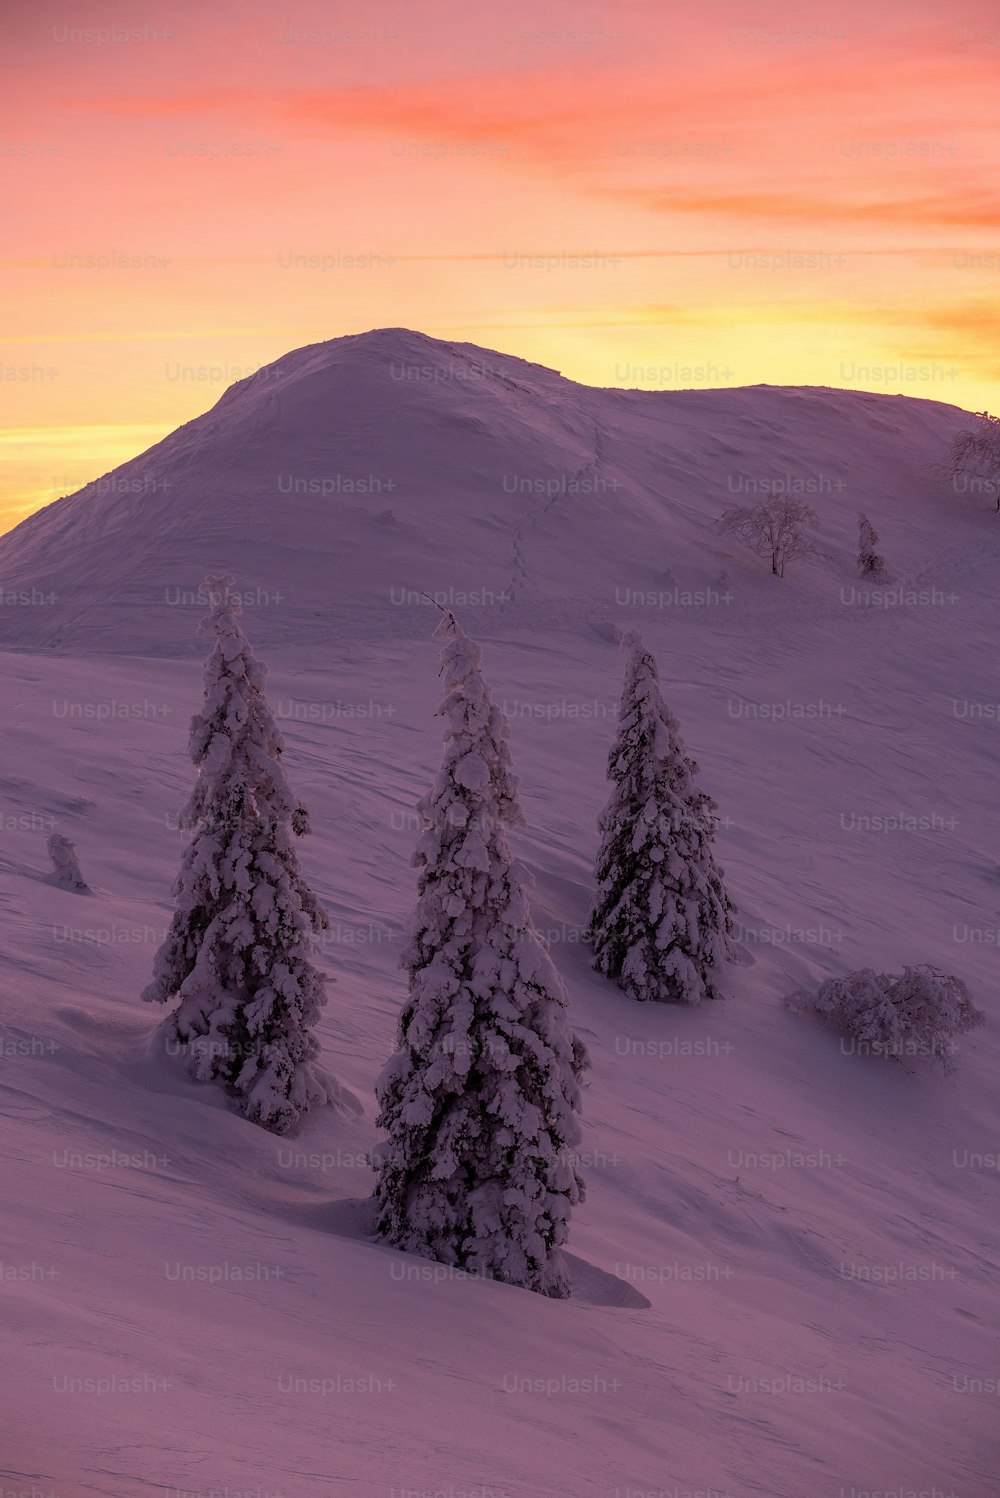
350	477
786	1266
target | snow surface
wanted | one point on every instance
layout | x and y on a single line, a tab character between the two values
709	1253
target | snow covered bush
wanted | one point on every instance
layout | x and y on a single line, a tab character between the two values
975	457
661	921
238	954
870	565
914	1013
481	1100
65	867
774	529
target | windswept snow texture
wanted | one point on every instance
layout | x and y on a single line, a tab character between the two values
785	1271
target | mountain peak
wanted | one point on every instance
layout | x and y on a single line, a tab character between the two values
410	354
349	478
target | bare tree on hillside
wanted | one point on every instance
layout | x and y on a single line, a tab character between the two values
775	529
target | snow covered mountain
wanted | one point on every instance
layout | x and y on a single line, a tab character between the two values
784	1273
349	478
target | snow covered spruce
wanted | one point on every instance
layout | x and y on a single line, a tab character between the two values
870	564
66	869
481	1100
239	951
661	921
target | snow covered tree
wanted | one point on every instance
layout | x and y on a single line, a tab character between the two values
870	564
975	457
775	530
661	922
916	1013
65	866
238	954
481	1099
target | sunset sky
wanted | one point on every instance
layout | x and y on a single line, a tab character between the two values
633	192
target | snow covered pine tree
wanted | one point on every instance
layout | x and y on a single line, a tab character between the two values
238	952
65	864
481	1100
661	921
870	564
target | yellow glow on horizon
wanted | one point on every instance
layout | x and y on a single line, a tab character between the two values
676	196
85	453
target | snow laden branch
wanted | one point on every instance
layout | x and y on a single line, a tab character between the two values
238	954
481	1100
661	921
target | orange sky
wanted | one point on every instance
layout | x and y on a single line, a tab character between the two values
633	192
